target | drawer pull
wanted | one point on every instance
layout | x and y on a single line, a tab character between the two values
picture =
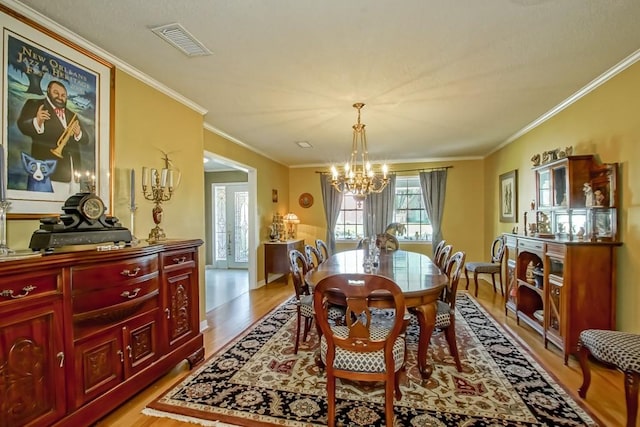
61	358
127	294
180	260
121	354
129	350
25	291
130	273
166	310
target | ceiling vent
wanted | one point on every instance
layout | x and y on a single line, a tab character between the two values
176	35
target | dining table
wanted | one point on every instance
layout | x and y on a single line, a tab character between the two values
415	273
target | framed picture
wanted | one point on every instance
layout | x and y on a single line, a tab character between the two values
274	195
508	183
56	119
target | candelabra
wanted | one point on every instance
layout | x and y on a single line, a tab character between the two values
161	190
4	249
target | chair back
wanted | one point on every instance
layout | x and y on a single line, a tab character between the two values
438	249
299	268
358	334
453	270
323	249
314	258
497	249
443	257
387	242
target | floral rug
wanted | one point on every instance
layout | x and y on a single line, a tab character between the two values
256	380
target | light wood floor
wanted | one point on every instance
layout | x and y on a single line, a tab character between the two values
605	399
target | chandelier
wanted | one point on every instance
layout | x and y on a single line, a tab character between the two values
358	178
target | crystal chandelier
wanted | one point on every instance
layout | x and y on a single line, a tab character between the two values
358	178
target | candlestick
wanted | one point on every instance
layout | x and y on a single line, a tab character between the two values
3	189
134	239
133	189
4	249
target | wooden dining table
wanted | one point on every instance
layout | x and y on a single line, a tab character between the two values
416	274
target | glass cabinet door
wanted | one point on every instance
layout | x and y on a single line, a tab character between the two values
560	186
544	188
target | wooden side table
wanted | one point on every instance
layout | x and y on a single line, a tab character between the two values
276	256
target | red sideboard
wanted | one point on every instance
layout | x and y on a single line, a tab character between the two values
83	331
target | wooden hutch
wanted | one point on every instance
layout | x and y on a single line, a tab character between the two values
83	331
561	275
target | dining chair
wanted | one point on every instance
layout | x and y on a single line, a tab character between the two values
492	267
443	257
359	350
438	249
304	300
314	257
323	249
446	313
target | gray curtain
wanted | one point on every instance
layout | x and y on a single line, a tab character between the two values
378	208
332	201
434	188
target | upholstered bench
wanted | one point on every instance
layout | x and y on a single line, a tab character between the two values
620	349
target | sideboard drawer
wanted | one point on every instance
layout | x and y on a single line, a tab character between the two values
112	297
530	245
178	259
114	274
19	287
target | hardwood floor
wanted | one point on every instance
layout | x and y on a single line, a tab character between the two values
605	398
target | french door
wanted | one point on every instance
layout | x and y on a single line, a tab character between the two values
231	225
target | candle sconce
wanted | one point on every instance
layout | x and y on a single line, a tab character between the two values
160	190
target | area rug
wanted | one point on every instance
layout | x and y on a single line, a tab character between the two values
256	380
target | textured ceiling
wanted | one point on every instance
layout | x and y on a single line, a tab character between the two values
441	79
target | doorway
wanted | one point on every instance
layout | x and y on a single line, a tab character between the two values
230	225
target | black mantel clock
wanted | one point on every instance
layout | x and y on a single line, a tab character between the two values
83	222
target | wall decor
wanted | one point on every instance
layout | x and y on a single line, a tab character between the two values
56	127
508	186
274	195
305	200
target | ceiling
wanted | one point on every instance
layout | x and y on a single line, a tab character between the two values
440	79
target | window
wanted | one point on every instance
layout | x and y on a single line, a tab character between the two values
409	211
350	224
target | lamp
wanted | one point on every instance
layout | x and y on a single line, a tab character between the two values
291	220
358	177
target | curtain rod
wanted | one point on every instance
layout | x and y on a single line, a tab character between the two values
404	170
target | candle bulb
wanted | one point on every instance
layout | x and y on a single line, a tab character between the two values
170	179
133	189
163	180
154	175
145	176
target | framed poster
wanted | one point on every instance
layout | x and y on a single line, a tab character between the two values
56	119
508	184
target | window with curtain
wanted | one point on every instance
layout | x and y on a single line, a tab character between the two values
408	210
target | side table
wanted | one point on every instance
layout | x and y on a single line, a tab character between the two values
276	256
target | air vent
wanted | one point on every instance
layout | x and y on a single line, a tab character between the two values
176	35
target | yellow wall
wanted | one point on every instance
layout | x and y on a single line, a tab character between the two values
605	122
464	206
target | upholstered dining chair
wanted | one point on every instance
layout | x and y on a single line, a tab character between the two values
446	313
314	257
443	257
323	249
304	300
616	348
360	350
492	267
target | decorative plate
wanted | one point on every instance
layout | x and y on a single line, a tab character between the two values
305	200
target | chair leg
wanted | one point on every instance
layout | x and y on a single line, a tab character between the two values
388	400
331	401
475	280
583	358
501	285
307	327
295	349
396	383
450	334
493	281
631	382
466	276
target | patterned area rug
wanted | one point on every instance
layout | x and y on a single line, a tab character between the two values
256	380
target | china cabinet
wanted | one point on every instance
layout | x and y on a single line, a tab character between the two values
561	275
83	331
